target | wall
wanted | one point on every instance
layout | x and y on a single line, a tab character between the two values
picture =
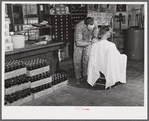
124	24
127	13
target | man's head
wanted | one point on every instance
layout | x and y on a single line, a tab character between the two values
105	32
89	22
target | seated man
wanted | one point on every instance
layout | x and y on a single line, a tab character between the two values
105	58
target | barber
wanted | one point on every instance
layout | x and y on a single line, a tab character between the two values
85	32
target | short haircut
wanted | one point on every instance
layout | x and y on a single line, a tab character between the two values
89	21
103	30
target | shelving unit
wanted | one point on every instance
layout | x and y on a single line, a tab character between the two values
78	13
62	29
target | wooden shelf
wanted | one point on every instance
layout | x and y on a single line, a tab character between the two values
39	28
30	16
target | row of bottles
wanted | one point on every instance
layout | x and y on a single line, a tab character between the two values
21	79
77	18
35	64
40	76
79	8
13	65
40	88
17	95
59	77
31	64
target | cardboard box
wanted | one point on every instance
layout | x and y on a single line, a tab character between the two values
8	39
6	32
8	47
7	25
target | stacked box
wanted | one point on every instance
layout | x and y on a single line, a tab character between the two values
8	43
17	84
8	47
25	81
39	72
59	80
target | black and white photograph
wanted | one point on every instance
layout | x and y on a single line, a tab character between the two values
74	60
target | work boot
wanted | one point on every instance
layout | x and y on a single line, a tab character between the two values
84	79
78	82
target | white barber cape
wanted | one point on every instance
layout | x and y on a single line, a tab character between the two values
105	57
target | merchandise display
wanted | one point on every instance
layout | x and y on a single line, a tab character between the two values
25	81
17	84
39	73
59	80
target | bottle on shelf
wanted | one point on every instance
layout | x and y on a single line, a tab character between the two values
58	79
14	97
10	99
45	63
29	79
32	90
44	75
38	76
28	92
6	84
33	78
55	79
15	81
42	63
10	82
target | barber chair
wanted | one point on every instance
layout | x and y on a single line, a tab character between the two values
101	81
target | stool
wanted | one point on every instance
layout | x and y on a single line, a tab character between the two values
101	81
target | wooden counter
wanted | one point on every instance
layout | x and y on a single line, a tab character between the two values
48	51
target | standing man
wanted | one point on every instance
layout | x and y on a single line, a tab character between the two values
85	31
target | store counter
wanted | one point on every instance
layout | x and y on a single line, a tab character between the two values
30	51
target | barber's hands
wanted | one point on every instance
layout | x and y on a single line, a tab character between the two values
94	40
110	30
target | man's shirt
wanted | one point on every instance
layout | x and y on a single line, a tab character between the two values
82	33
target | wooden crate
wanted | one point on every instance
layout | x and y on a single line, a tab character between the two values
38	71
